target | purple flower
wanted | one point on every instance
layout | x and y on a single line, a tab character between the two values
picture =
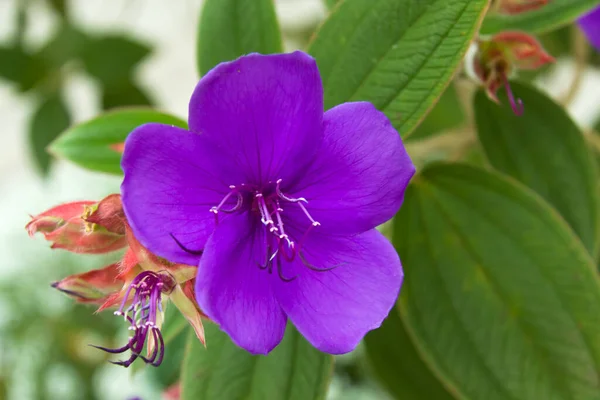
590	25
279	197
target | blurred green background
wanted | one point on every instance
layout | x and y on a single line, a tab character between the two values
62	62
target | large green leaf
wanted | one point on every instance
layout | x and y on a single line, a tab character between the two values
397	54
546	151
398	365
231	28
499	295
49	119
97	143
548	17
223	371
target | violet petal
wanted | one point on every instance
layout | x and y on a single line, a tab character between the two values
590	24
234	292
359	176
265	110
172	179
334	309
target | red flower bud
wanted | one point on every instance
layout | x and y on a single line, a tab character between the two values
523	50
94	286
498	57
108	213
66	227
513	7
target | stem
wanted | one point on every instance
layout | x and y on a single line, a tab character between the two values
581	54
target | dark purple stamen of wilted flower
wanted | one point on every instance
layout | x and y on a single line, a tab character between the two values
268	204
517	106
142	314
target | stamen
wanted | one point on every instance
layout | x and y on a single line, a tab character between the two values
314	223
280	273
517	106
288	257
313	268
142	316
182	247
282	234
219	207
264	212
284	197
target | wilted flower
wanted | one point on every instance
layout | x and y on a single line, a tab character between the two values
590	25
513	7
498	57
144	312
140	283
280	199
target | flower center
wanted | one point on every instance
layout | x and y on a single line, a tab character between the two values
269	203
142	314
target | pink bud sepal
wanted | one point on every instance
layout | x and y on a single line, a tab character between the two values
497	58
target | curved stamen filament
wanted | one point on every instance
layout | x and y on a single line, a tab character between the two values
219	207
184	248
305	211
292	247
284	197
280	272
517	106
313	268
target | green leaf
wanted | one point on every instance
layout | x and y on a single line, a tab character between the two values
231	28
174	332
66	44
397	54
446	114
14	61
124	94
331	3
223	371
398	365
112	59
551	16
95	144
60	6
174	325
546	151
49	119
499	296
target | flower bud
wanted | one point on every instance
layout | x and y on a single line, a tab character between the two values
56	218
522	50
498	57
513	7
92	287
108	213
66	228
